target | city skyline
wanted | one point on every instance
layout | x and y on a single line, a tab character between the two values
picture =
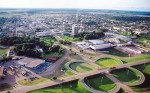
135	5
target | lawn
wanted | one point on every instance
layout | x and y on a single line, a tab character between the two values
48	40
107	62
69	73
115	52
29	82
100	82
145	69
70	38
135	59
127	76
3	51
5	87
70	87
81	67
58	55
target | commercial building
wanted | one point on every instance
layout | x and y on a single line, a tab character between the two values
75	29
1	71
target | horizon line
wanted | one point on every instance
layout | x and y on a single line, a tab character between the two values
76	9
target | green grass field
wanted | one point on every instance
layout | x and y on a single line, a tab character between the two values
69	73
145	69
107	62
81	67
126	75
29	82
71	87
3	51
48	40
58	55
70	38
100	82
113	51
135	59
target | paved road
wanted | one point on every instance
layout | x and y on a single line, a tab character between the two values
125	87
24	89
55	65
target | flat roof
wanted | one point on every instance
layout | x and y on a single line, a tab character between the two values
96	41
30	62
1	71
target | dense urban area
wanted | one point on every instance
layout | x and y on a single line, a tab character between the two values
74	51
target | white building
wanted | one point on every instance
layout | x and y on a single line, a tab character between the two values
75	29
96	42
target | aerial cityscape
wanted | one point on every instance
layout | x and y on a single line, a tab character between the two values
74	49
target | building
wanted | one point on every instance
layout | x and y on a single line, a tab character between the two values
75	29
96	42
100	47
1	71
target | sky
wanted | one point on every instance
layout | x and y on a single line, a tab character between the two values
142	5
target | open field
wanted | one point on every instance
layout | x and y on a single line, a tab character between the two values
81	67
58	55
135	59
69	73
70	87
3	51
145	69
100	82
127	76
48	40
115	52
107	62
70	38
30	82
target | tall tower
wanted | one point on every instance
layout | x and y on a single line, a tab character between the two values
77	18
75	29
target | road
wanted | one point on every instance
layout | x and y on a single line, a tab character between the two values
24	89
55	65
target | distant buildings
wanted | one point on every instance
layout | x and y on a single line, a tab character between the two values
75	29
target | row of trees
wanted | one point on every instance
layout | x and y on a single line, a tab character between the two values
10	41
25	46
27	49
90	35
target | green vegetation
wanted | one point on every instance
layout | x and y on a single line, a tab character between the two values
58	55
3	51
145	68
70	87
5	87
108	62
144	40
90	35
135	59
100	82
48	40
116	52
69	73
127	76
127	33
70	38
31	81
81	67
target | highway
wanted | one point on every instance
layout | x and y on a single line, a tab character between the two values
24	89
